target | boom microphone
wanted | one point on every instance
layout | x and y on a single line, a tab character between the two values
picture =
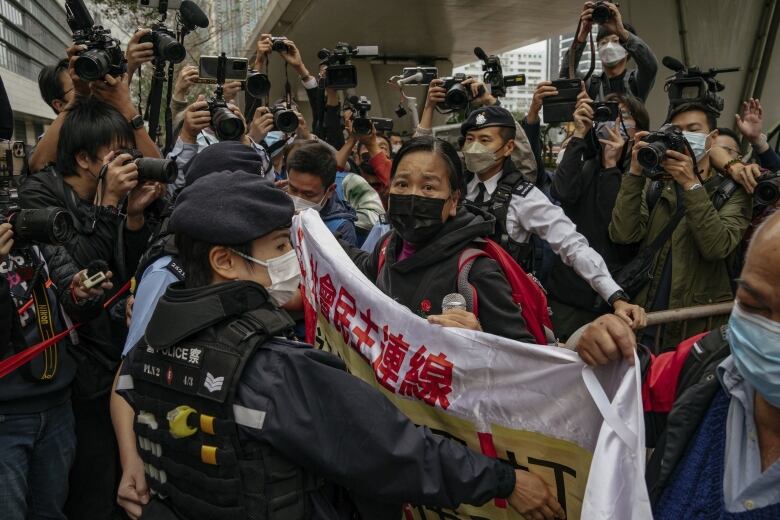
192	15
673	64
479	53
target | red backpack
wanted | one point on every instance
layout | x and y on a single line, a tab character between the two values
527	292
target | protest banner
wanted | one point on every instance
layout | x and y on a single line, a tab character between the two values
538	407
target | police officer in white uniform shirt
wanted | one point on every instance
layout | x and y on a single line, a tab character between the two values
495	185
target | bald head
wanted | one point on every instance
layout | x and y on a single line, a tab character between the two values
759	284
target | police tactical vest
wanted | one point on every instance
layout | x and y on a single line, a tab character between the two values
511	183
187	427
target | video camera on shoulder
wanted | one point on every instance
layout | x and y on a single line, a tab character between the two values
693	85
341	74
236	69
364	125
103	54
150	168
47	226
494	74
560	107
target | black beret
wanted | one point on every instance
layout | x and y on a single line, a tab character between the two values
231	208
224	156
486	117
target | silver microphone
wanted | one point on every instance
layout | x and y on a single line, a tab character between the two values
453	301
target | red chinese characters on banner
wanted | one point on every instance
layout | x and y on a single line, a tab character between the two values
345	311
429	378
389	362
327	295
362	336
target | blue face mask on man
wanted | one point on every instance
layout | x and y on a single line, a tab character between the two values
698	142
755	347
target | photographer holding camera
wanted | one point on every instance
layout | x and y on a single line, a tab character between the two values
41	290
689	232
102	190
586	184
617	42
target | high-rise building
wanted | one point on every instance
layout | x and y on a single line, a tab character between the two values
33	33
560	44
531	61
237	19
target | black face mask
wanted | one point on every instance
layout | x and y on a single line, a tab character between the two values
416	219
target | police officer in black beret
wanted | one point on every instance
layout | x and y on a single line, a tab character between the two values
235	421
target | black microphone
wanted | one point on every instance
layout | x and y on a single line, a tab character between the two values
479	53
192	15
673	64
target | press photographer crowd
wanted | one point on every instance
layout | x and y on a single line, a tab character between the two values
161	288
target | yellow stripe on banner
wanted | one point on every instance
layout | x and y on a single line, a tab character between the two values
207	424
208	455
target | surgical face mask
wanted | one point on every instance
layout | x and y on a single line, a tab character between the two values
416	219
395	148
479	158
603	129
698	142
303	204
755	347
285	274
612	53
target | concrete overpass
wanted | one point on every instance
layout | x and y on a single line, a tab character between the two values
444	32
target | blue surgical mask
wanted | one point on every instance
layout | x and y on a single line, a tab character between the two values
698	142
755	347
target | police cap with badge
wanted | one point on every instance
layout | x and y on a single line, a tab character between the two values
487	117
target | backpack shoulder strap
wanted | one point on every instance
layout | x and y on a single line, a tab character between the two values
712	348
383	253
465	288
723	193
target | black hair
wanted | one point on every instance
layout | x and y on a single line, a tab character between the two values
507	133
194	256
385	138
441	148
712	116
49	82
89	125
604	32
635	106
728	132
315	159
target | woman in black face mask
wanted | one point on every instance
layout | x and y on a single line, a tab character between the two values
417	263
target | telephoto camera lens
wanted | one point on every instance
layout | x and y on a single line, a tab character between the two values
257	84
767	190
227	125
169	49
651	156
158	170
93	65
457	97
45	226
285	121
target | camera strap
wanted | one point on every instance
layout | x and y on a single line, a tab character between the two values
287	87
572	64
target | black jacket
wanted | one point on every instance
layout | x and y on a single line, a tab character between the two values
587	194
103	237
421	281
19	393
334	425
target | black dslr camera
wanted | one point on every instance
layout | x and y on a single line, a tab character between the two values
166	46
364	125
668	137
341	74
693	85
151	169
601	12
278	45
458	96
604	111
103	55
494	74
767	191
46	226
285	119
227	125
